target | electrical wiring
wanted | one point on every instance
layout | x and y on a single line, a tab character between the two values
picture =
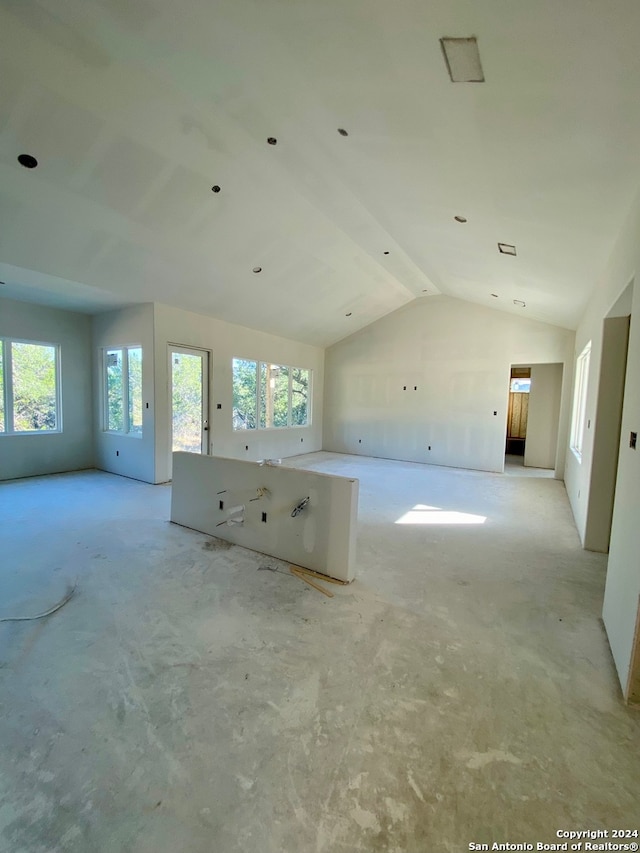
53	609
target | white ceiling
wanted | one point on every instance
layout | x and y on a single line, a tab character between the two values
135	109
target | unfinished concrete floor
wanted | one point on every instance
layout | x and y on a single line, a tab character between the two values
191	699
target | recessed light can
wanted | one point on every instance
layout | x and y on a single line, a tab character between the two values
27	161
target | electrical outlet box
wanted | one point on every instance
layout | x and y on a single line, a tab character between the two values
321	538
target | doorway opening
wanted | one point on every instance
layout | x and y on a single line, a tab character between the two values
533	416
518	412
189	399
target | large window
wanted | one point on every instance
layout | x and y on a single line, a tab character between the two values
580	401
245	394
123	390
267	396
29	387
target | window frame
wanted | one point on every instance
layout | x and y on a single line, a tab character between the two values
126	422
579	412
290	368
7	387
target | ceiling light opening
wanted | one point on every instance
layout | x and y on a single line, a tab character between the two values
349	314
495	295
520	303
27	161
215	188
272	140
506	249
343	132
385	253
257	269
460	218
462	58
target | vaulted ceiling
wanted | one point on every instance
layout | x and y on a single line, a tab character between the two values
135	109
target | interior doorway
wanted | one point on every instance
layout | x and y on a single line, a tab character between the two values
533	416
518	411
189	399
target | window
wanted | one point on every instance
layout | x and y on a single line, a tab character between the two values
580	400
274	395
245	394
267	395
300	387
123	390
520	385
29	387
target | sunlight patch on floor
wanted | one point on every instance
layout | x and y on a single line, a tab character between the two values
423	514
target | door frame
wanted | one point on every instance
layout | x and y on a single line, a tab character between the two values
188	349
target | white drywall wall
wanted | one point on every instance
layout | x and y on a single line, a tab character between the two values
226	341
606	435
322	537
622	590
458	355
541	445
128	455
72	449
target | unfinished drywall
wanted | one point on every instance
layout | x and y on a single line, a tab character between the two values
71	449
622	591
226	341
154	327
209	491
430	383
128	455
541	446
606	435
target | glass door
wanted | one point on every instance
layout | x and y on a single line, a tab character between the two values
189	387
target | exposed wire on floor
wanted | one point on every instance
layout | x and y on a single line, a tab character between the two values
53	609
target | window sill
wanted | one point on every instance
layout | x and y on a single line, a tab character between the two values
31	432
255	430
121	434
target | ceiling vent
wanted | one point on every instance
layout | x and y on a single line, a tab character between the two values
506	249
463	59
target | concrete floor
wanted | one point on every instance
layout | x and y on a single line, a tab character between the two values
192	699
